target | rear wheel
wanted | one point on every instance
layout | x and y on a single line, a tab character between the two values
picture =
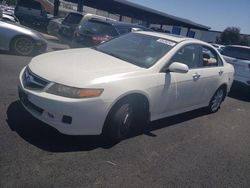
23	46
216	100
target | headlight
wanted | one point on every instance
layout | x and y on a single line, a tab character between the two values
72	92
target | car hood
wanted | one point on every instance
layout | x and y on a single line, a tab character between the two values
81	67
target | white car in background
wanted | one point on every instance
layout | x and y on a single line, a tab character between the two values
239	57
123	83
219	47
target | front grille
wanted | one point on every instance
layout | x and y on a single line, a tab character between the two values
32	81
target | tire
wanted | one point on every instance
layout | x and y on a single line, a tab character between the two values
23	46
216	100
120	122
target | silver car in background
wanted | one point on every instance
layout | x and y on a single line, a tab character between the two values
21	40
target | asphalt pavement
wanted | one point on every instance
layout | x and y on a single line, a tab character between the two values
194	149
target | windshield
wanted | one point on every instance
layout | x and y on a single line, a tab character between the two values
237	52
138	49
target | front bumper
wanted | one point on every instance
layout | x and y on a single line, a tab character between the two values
68	116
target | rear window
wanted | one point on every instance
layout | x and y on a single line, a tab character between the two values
73	18
237	52
94	27
30	4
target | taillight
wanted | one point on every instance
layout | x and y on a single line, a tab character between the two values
100	39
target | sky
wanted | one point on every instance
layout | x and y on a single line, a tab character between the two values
217	14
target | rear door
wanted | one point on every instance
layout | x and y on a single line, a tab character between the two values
211	71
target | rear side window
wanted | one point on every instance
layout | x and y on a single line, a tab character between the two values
30	4
94	27
73	18
209	57
237	52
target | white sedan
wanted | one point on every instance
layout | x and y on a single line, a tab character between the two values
122	84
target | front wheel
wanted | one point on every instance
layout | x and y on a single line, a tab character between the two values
22	46
121	121
216	100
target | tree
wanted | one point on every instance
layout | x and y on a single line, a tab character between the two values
244	41
230	35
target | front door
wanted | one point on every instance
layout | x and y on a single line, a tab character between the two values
185	88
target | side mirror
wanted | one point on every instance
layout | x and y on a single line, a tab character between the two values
178	67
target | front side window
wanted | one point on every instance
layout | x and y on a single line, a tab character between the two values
138	49
188	55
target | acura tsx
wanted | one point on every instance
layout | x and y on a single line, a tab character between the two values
122	84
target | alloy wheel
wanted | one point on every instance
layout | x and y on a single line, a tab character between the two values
217	99
23	46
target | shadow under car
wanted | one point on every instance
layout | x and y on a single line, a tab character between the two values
47	138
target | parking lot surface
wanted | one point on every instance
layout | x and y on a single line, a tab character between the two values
194	149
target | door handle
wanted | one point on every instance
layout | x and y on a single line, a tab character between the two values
196	76
221	72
